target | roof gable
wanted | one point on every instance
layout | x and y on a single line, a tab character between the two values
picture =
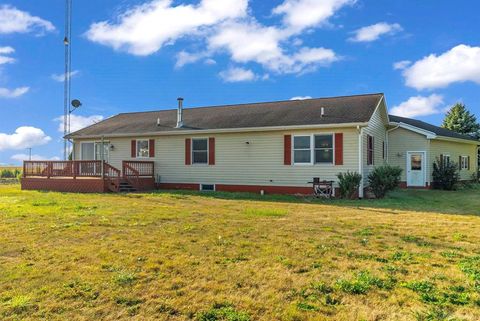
427	129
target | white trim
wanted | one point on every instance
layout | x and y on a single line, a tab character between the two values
208	151
214	187
302	149
223	130
428	134
312	149
136	148
424	166
464	158
458	140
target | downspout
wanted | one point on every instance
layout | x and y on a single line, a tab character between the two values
360	160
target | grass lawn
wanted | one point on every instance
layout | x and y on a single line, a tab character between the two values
238	257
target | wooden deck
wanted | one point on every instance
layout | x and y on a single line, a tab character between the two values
88	176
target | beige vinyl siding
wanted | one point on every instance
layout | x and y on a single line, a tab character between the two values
401	141
455	149
258	163
376	128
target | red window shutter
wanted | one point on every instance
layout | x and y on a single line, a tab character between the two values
339	149
188	151
211	151
287	150
134	149
151	148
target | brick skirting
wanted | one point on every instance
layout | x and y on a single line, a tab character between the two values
79	185
84	185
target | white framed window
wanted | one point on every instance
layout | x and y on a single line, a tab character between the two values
200	151
446	160
302	150
464	162
207	187
143	148
324	148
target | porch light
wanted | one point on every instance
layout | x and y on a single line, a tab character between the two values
112	148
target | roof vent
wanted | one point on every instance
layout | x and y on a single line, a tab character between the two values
322	112
180	113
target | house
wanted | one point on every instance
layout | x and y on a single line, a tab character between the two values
274	147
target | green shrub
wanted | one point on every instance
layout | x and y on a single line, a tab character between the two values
6	173
445	176
349	183
384	179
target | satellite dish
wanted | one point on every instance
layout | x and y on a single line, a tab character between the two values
76	103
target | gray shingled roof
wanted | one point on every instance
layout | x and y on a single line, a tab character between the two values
338	110
431	128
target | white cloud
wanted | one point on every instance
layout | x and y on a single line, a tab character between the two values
13	93
401	65
78	122
185	58
23	157
374	32
144	29
5	59
419	106
237	74
23	137
226	27
301	97
13	20
459	64
61	77
301	14
253	42
210	61
6	50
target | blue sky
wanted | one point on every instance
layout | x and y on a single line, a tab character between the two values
135	55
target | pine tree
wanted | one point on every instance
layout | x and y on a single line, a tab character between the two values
460	120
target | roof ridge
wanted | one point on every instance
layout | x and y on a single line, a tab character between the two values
253	103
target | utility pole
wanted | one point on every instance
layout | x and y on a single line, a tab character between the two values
29	153
67	41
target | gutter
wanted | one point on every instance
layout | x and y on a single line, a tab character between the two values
221	130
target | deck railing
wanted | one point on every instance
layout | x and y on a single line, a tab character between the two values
72	169
138	168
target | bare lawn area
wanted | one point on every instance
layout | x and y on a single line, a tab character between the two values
239	257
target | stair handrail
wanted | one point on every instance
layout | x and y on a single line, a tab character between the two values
112	175
129	172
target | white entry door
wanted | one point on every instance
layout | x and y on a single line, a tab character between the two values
416	169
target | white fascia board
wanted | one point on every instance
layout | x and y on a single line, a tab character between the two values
224	130
458	140
426	133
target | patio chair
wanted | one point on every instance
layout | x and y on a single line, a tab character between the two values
322	188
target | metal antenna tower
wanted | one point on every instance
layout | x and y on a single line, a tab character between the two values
67	41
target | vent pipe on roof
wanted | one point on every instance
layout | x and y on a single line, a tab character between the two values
322	112
180	113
